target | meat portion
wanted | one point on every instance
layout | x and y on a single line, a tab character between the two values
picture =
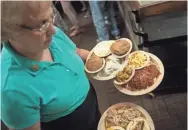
94	63
153	71
143	78
120	47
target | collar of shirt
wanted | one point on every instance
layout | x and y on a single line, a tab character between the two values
62	50
31	66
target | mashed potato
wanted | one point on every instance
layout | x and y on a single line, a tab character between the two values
102	49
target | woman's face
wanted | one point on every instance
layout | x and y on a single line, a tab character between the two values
33	41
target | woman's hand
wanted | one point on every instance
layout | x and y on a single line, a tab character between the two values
82	53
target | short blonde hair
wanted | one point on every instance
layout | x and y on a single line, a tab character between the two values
12	13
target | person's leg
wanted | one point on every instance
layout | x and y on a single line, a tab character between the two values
59	8
114	29
87	14
84	7
59	21
71	13
98	20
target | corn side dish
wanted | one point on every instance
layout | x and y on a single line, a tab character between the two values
137	60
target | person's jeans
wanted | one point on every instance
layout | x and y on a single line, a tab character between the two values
98	13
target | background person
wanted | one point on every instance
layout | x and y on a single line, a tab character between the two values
98	14
72	15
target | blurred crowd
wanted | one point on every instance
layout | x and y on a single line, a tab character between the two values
102	13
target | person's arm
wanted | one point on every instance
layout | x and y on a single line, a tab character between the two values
82	53
34	127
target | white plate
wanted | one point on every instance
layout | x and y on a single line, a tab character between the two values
131	45
147	56
101	47
101	124
151	88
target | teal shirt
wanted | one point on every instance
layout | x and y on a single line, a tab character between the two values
45	91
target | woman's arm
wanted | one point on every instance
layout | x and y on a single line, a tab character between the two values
82	53
34	127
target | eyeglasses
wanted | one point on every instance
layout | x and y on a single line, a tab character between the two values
42	28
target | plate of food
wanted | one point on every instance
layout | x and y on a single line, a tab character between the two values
121	47
111	68
101	64
125	116
138	59
144	80
102	49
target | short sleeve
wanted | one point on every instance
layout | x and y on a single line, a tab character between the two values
19	111
65	38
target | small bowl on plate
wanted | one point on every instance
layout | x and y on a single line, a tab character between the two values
138	59
102	49
118	46
95	71
125	80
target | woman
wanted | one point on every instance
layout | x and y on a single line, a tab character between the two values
44	86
